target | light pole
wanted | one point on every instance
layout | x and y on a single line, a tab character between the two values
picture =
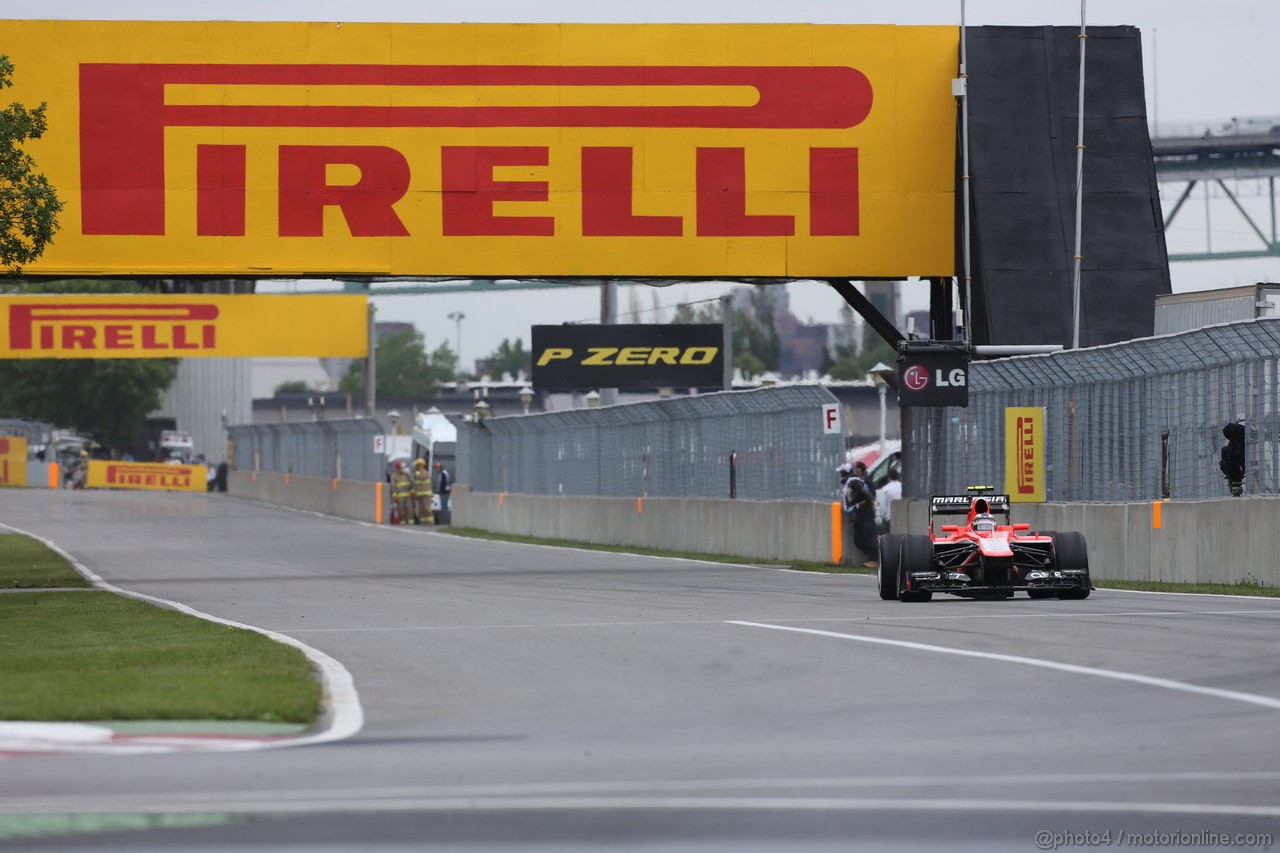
457	317
880	374
526	397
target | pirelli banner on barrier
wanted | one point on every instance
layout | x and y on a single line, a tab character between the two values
13	460
1024	453
130	326
155	476
500	150
674	355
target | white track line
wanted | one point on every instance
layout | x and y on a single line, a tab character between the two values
1133	678
271	803
345	715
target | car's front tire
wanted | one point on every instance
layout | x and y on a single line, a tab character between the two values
887	573
915	554
1071	552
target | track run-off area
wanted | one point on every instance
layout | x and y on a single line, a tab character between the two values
505	695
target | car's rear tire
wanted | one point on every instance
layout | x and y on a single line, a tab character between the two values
887	574
1071	552
915	554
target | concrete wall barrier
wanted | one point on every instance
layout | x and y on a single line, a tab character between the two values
343	498
762	530
1226	540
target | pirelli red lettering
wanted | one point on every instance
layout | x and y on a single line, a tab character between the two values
1026	452
125	195
180	328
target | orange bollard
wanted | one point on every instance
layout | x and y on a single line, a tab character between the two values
837	533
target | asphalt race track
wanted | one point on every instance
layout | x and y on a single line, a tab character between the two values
518	697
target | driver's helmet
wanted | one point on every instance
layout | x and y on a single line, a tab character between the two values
984	522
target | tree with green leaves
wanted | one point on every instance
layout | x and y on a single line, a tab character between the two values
855	366
509	358
29	206
757	346
108	398
293	386
405	371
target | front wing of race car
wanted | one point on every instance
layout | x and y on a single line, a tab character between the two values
996	565
914	567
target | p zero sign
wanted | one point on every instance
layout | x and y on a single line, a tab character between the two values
266	149
676	355
933	378
129	326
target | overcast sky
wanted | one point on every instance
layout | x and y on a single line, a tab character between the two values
1205	63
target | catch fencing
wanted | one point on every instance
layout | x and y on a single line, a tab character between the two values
342	448
767	444
37	433
1134	421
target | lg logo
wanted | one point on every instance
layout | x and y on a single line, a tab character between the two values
916	378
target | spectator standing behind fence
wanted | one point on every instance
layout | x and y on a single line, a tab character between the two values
444	489
402	493
888	493
858	504
845	471
421	493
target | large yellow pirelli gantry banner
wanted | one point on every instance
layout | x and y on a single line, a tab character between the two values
186	326
267	149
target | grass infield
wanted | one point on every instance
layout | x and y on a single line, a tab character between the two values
95	655
28	564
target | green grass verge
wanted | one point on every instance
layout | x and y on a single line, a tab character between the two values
799	565
28	564
95	655
1209	588
98	656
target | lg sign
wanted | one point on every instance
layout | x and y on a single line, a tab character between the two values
933	377
916	378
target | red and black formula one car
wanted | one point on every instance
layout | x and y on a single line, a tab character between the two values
982	558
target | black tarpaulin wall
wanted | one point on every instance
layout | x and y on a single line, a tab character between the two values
1022	155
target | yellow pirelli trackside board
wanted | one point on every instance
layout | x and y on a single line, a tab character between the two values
13	460
493	150
187	326
155	476
1024	453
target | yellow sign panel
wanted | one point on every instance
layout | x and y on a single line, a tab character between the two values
155	476
1024	454
130	326
13	461
498	150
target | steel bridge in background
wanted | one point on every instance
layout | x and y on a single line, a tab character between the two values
1244	152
